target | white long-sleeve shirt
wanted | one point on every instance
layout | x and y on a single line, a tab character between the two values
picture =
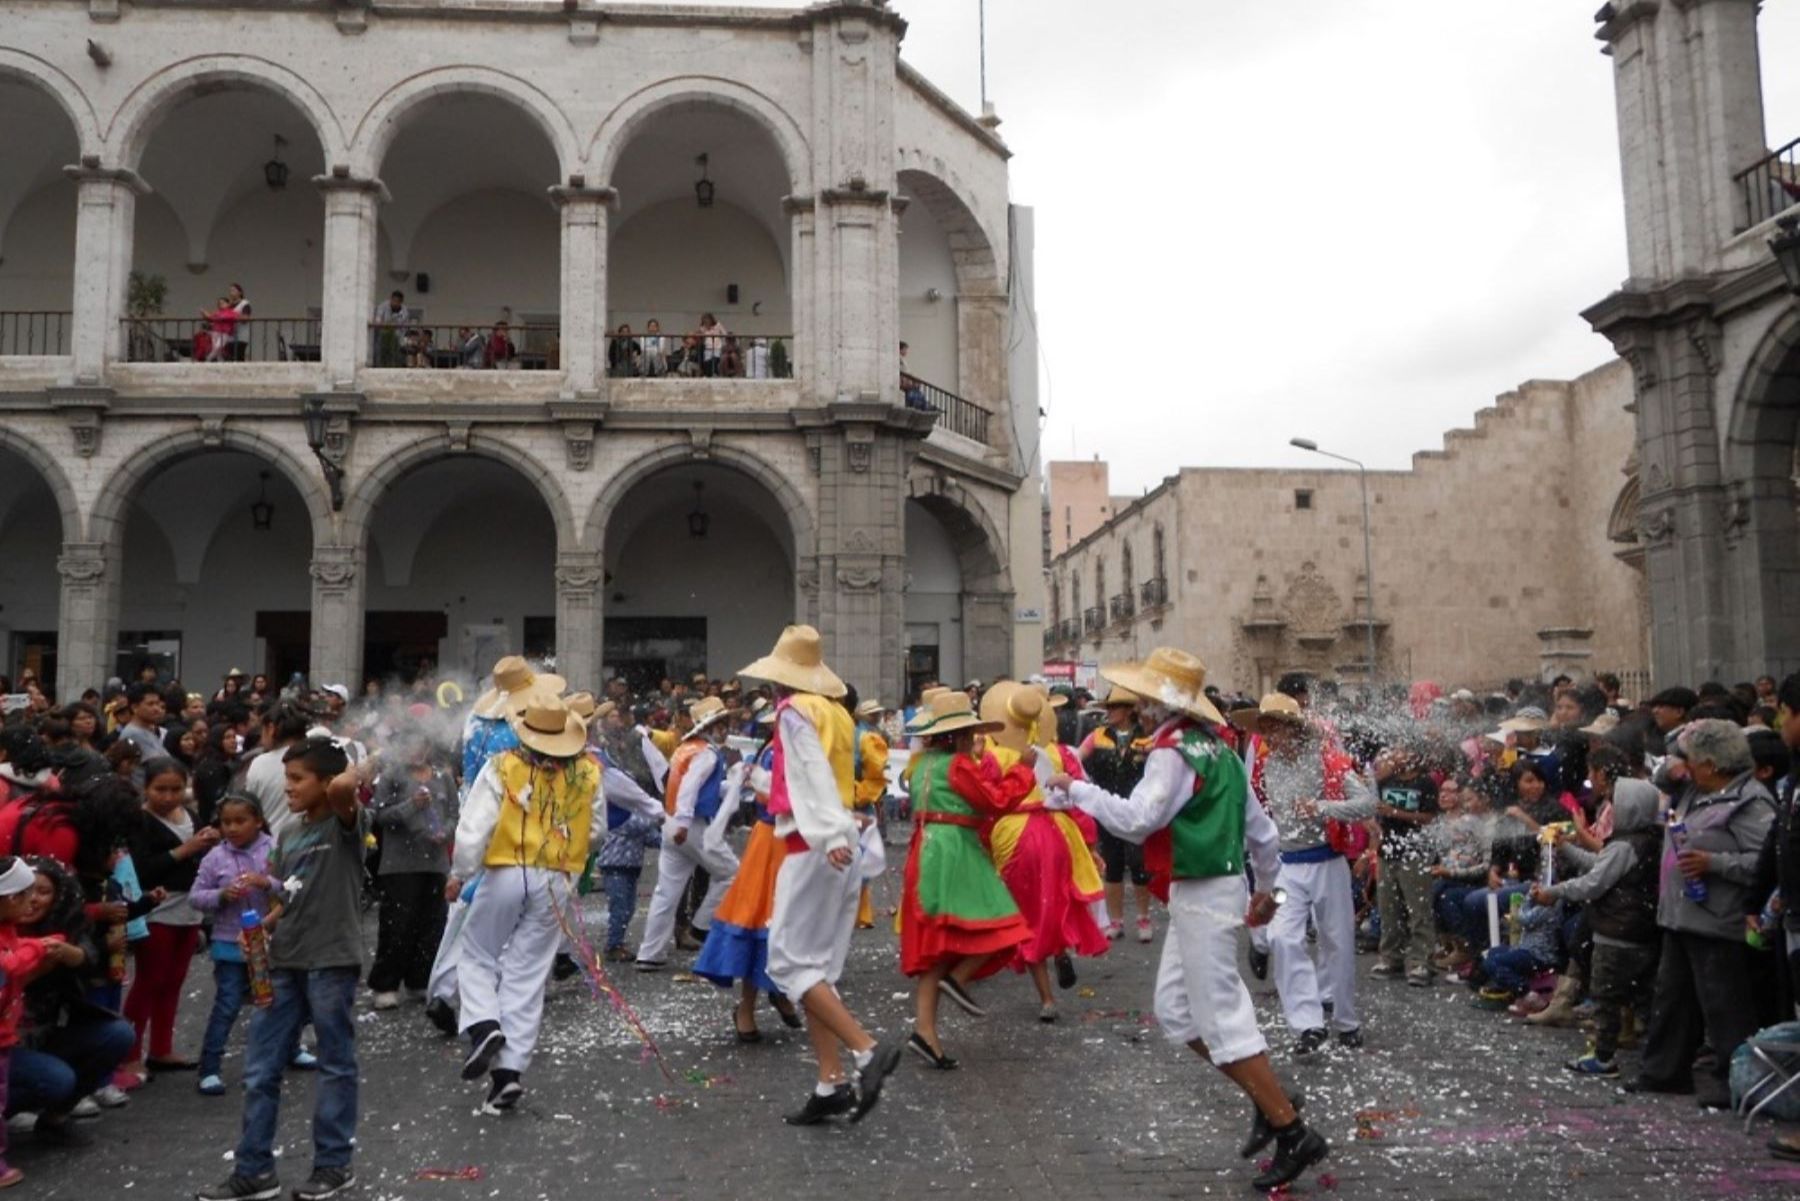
625	792
818	812
688	795
1167	786
659	762
481	815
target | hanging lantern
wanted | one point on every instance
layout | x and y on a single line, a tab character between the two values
699	522
262	513
703	187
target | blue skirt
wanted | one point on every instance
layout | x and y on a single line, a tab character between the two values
732	953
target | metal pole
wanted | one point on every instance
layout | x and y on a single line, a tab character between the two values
1368	572
982	18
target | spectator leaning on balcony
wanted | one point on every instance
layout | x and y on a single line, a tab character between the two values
712	343
624	353
472	348
387	338
656	349
500	350
909	386
234	346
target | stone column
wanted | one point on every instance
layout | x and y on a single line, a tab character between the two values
987	634
351	208
337	616
105	219
584	232
579	580
87	616
981	359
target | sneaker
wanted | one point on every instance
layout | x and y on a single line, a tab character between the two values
620	955
485	1042
957	993
871	1077
442	1014
1259	964
1385	970
651	965
211	1086
21	1123
1047	1012
112	1097
85	1109
1115	930
1065	972
1420	977
1261	1133
242	1188
1296	1149
1145	931
304	1061
1351	1039
386	1000
503	1093
1310	1041
1592	1065
818	1108
325	1182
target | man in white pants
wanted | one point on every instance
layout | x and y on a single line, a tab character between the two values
1304	782
525	827
695	789
811	795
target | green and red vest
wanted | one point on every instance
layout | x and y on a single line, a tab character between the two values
1206	839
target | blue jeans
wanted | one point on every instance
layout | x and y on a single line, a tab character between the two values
1447	897
67	1064
621	901
231	991
1475	914
326	996
1511	968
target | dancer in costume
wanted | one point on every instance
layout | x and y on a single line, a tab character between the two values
1042	855
634	821
1113	757
736	950
1195	815
525	826
958	922
871	784
694	794
1307	785
810	794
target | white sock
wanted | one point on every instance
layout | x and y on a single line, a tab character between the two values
825	1088
863	1058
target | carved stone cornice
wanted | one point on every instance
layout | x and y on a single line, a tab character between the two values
576	192
89	170
341	180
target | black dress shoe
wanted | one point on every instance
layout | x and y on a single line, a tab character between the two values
918	1046
485	1041
1296	1149
1260	1130
1259	964
442	1014
1065	972
956	992
564	967
790	1016
818	1108
871	1078
1352	1039
1311	1040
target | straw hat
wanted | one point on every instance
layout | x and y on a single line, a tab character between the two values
1528	721
1602	725
707	711
515	684
947	712
582	705
604	709
870	709
798	662
1168	677
1015	708
1052	700
1275	707
549	727
1119	698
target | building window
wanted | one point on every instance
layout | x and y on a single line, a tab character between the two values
1302	498
1125	566
1075	592
1156	554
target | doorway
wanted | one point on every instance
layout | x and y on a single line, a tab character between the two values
644	650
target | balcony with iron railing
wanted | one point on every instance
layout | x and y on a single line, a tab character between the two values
35	334
956	414
1093	620
200	340
1123	607
1070	629
1154	593
671	357
1770	185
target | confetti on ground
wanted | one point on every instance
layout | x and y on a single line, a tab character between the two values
471	1172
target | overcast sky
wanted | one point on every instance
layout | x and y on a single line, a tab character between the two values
1354	220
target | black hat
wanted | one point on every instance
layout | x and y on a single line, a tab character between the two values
1675	698
1294	684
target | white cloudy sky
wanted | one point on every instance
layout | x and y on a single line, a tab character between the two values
1356	220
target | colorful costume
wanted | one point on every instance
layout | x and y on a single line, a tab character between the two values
955	905
870	767
737	944
695	795
1043	857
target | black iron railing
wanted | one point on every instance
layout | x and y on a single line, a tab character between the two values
35	333
957	414
657	355
204	340
1123	606
1070	629
463	347
1771	184
1094	619
1154	593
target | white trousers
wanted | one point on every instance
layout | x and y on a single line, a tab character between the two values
1320	892
1199	993
443	986
509	942
815	913
674	868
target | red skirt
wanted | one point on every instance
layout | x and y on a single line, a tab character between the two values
1043	883
930	939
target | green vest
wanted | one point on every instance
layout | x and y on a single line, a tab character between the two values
1206	839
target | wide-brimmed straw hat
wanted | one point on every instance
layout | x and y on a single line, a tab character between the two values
947	712
1016	708
1274	707
549	727
582	705
1119	698
870	709
707	711
1168	677
1602	725
1052	700
798	662
514	684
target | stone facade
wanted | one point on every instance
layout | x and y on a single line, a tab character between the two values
1712	337
1500	555
854	140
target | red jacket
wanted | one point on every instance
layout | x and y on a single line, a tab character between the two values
19	958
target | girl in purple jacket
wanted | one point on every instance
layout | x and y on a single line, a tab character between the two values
233	880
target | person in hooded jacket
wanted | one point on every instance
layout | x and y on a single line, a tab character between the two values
1618	885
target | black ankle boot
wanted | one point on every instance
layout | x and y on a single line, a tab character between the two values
1296	1149
1260	1131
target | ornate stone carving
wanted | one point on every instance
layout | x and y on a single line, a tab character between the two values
458	434
579	578
86	429
700	441
81	564
578	444
1659	527
1643	367
861	455
860	542
815	456
1703	336
1737	518
212	432
334	572
859	579
1313	608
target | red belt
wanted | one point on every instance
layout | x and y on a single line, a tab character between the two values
796	845
951	819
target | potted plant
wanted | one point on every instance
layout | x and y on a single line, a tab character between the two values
144	298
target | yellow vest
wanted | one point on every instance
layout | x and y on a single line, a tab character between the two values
545	813
837	734
665	741
873	784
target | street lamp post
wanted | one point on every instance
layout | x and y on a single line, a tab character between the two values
1308	444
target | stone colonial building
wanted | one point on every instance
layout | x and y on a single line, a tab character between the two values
1712	335
1513	551
335	485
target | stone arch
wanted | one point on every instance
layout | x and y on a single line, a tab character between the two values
28	68
376	130
136	119
1761	527
1764	423
107	517
622	123
1622	522
365	497
972	244
799	513
979	545
52	474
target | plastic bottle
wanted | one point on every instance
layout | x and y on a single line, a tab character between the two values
1515	926
256	959
1693	890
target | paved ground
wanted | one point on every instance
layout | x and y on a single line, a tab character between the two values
1453	1103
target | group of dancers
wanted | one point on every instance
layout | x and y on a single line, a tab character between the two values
998	873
